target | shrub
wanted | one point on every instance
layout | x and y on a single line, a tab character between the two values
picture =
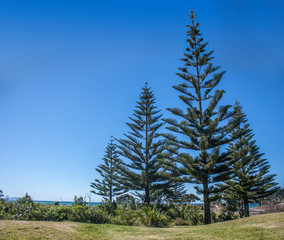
180	222
226	214
193	215
174	212
153	217
27	210
126	217
108	207
127	202
214	217
27	199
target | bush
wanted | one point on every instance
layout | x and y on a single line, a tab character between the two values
126	217
174	212
127	202
193	215
27	199
153	217
180	222
226	214
214	217
108	212
24	209
108	207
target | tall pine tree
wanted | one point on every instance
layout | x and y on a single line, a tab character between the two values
204	127
141	149
109	187
250	180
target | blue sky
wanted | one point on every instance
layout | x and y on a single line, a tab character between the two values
71	72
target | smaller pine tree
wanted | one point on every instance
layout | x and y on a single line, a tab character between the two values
250	180
141	150
176	192
109	187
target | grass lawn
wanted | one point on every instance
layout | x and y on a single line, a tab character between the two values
269	226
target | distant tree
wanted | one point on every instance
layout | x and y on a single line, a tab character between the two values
189	198
109	187
205	125
279	194
1	195
27	199
141	150
250	180
176	192
127	201
79	201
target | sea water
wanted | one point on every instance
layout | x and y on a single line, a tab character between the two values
66	203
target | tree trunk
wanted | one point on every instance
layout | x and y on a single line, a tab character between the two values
110	197
147	195
207	214
110	192
246	205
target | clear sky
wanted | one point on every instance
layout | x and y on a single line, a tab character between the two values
71	72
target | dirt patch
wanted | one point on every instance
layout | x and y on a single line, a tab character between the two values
68	227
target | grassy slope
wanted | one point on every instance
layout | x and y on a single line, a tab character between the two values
269	226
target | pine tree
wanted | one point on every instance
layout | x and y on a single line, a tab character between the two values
250	180
141	149
204	127
109	187
176	192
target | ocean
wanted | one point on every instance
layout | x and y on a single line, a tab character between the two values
66	203
98	203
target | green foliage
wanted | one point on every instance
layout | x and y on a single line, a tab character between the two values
232	207
180	222
109	187
126	217
127	202
174	211
204	126
214	217
193	215
177	193
153	217
226	214
141	149
27	199
79	201
108	207
26	210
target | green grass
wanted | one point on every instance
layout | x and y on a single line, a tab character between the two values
269	226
